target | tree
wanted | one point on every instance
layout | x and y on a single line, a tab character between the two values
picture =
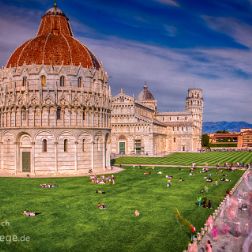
205	140
222	131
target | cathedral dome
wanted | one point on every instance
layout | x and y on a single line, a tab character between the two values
54	44
145	95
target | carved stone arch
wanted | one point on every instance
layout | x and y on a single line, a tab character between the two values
99	136
46	132
76	101
34	101
85	135
63	101
122	137
20	100
48	100
8	135
47	146
66	133
25	139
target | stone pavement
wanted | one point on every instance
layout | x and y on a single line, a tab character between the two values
233	222
113	170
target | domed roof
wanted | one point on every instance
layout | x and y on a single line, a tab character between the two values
145	94
53	45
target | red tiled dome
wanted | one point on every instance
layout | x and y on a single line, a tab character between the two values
53	45
145	95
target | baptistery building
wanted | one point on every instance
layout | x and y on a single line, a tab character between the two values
55	105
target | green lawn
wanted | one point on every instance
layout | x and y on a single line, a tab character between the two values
70	221
212	158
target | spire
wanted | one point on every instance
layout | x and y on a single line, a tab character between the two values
55	6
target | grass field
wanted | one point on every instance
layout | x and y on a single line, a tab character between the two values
70	221
212	158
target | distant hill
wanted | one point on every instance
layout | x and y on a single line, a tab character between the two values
211	127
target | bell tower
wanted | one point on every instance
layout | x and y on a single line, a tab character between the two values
195	104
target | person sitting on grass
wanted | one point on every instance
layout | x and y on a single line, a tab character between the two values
100	191
204	202
147	173
136	213
169	183
47	185
204	169
113	179
199	200
29	214
209	204
209	179
101	206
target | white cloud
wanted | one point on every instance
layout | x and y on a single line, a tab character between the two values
169	2
239	31
171	72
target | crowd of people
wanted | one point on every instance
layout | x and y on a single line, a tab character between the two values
102	179
47	186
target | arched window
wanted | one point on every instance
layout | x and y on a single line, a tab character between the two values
43	80
23	114
24	81
44	145
65	145
83	115
58	113
62	81
79	81
83	145
174	139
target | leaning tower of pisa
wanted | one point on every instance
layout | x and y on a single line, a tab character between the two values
194	104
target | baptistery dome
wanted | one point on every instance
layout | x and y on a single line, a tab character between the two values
55	105
54	44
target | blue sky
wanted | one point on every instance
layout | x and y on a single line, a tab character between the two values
170	44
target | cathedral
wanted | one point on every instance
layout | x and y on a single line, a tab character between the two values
139	129
55	105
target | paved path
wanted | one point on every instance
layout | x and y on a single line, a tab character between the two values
239	238
113	170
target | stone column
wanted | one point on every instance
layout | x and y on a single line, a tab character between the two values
88	118
48	116
92	154
27	117
34	114
92	118
18	168
56	156
104	165
1	155
41	116
76	156
106	119
10	113
33	159
20	116
63	116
